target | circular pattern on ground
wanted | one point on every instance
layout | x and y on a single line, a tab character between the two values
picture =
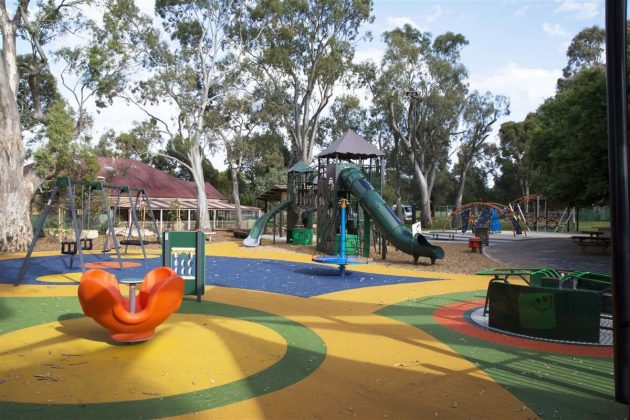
477	317
61	278
138	255
223	350
111	264
293	361
453	316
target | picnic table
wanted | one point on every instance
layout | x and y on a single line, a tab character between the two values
592	240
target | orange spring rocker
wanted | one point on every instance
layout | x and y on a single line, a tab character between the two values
160	295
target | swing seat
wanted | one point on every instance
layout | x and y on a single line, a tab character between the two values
137	242
160	295
70	247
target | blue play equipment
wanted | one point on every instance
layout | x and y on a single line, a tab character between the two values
495	225
484	217
342	258
489	212
465	217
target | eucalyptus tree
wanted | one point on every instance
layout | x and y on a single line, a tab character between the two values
480	114
515	139
300	51
421	89
585	51
346	113
180	49
27	96
234	122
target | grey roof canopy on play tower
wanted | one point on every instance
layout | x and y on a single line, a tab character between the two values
300	167
351	146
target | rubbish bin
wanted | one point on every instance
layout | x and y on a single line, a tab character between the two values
482	233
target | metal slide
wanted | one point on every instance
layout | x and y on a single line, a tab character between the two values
256	232
385	218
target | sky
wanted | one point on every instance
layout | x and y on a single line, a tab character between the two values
516	48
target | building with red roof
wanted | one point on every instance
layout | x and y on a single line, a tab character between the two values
170	197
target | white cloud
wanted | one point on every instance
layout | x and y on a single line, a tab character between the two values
582	9
521	11
555	30
526	88
435	14
400	21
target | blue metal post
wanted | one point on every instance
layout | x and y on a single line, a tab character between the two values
342	231
342	238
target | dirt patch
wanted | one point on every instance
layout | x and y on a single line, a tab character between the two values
458	258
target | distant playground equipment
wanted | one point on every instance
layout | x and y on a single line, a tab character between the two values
534	211
76	246
342	259
185	254
299	205
161	293
489	214
346	169
549	304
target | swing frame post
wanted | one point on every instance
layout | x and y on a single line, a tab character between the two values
38	231
68	184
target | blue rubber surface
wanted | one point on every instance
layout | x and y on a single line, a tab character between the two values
283	277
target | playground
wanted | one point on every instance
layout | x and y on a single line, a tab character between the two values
354	315
277	335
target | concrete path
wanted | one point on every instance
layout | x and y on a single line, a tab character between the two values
549	250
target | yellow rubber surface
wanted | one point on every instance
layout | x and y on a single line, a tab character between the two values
58	360
375	367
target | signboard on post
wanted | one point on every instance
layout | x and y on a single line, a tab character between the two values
185	253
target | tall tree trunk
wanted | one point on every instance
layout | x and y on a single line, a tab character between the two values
462	185
236	195
425	196
203	217
15	189
524	187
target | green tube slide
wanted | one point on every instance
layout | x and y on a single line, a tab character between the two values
256	232
385	218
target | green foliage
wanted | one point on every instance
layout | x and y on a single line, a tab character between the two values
301	50
518	174
134	144
569	145
60	153
346	113
585	51
37	91
419	93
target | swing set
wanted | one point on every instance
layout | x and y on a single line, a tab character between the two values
142	200
79	244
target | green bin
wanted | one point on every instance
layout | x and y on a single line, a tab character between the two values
302	236
352	244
